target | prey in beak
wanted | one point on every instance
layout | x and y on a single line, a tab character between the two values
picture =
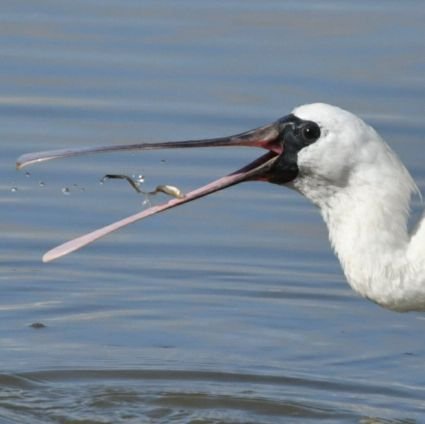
282	139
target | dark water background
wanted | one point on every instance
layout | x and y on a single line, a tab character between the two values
232	309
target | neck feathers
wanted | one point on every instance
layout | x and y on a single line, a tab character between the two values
367	221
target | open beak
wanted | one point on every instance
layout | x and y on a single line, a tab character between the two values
268	137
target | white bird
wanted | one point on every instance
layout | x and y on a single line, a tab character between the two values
343	166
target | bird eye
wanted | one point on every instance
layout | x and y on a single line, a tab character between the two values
311	132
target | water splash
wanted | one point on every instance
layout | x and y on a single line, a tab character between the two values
139	179
147	201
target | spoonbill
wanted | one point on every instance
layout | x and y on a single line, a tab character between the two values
343	167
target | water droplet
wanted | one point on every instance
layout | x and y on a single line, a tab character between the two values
14	189
138	179
27	174
147	202
42	184
66	191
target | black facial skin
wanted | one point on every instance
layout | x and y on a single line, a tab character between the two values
295	134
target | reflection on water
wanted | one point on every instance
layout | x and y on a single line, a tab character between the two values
232	309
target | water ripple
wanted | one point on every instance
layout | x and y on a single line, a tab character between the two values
111	396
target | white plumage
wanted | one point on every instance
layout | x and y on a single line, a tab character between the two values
363	192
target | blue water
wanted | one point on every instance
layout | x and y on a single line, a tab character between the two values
232	309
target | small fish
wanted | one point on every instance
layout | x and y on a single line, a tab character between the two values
170	190
122	177
162	188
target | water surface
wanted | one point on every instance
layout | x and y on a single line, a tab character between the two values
232	309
